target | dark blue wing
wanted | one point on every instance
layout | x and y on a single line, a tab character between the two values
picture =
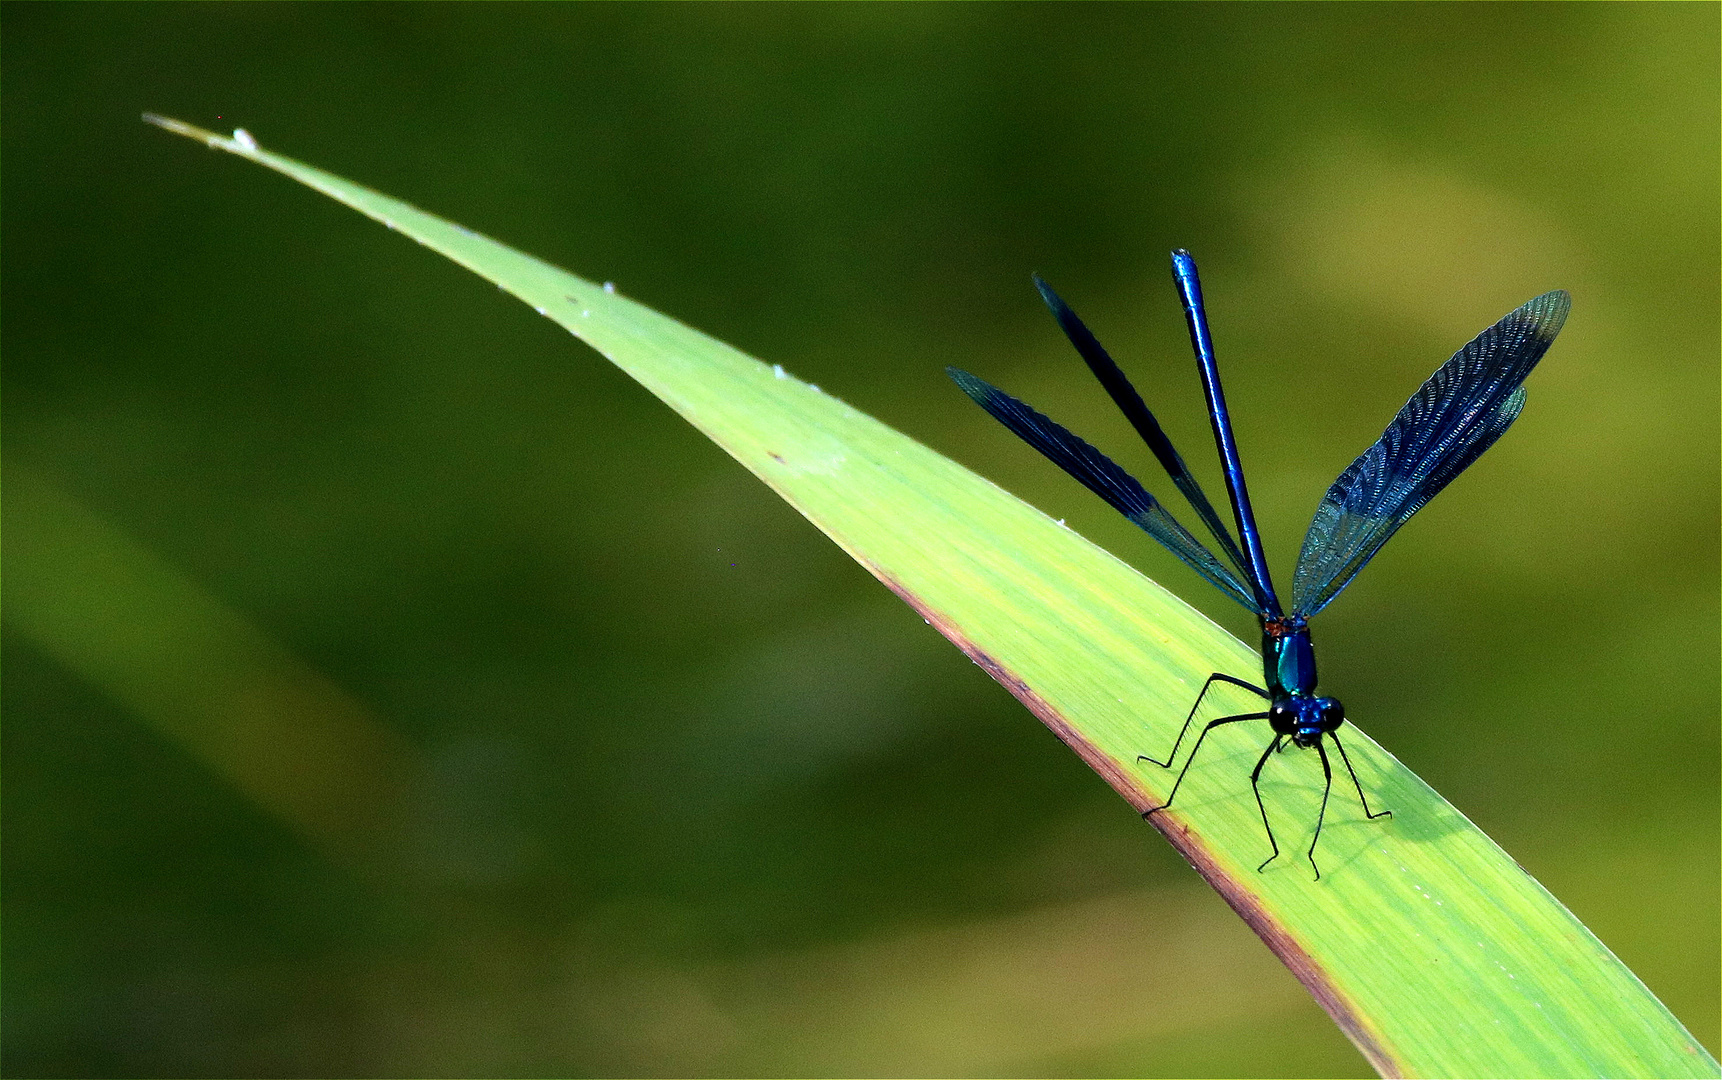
1100	475
1130	403
1447	424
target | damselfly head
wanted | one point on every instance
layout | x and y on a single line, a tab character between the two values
1306	719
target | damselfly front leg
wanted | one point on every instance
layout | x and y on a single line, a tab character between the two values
1211	725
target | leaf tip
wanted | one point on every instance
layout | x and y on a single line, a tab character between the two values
240	142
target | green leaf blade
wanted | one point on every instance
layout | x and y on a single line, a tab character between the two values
1429	946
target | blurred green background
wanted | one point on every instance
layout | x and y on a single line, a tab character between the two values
392	687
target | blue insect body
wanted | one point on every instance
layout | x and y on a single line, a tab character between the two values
1456	415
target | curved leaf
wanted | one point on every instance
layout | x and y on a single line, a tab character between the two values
1426	943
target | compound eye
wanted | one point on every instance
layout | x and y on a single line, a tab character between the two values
1332	712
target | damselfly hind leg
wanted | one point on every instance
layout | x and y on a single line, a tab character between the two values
1256	775
1327	789
1212	679
1343	756
1321	815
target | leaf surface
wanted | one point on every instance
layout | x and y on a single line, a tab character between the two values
1426	943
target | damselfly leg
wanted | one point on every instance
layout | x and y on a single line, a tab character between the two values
1212	679
1211	725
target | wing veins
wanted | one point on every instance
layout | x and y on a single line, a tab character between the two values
1455	416
1102	476
1136	410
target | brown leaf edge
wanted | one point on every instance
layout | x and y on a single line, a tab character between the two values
1277	938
